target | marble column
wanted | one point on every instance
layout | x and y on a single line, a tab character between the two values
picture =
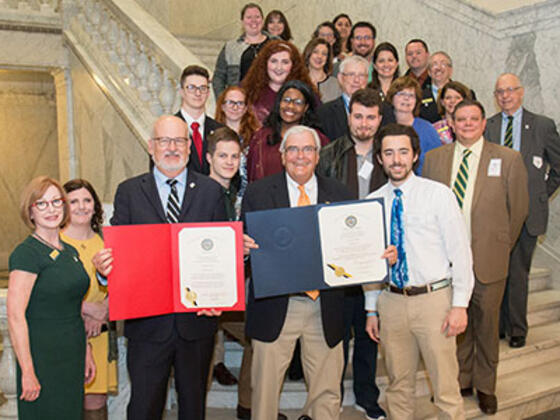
67	153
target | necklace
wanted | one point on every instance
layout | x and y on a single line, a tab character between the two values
47	243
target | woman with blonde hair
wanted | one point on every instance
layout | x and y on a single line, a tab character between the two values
46	286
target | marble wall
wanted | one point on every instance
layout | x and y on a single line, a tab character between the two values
28	145
107	150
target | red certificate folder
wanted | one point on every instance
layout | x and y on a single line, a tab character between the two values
146	276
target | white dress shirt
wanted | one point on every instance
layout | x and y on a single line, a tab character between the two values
473	161
310	189
200	120
435	237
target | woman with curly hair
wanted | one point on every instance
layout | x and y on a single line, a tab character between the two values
232	111
276	25
318	58
295	105
278	62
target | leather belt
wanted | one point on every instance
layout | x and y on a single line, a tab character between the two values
419	290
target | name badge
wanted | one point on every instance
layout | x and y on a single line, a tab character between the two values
537	162
426	101
495	167
365	170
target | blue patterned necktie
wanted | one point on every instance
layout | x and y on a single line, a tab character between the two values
399	271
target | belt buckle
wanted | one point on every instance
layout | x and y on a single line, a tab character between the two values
406	290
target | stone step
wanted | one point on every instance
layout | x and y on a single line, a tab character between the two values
539	279
206	49
543	307
520	395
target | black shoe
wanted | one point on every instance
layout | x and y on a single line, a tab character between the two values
304	417
245	413
466	392
487	403
223	375
517	341
502	336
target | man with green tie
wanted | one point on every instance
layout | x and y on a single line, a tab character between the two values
490	185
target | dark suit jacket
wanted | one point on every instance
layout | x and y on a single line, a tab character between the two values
499	206
265	317
539	141
137	202
194	163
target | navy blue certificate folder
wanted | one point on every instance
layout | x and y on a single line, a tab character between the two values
289	258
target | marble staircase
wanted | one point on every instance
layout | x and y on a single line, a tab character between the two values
206	49
528	378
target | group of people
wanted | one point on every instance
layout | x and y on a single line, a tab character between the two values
465	200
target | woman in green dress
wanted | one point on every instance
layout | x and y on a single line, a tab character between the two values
46	286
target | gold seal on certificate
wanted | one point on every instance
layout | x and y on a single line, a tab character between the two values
190	297
352	241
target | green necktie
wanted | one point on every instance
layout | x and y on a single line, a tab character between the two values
508	140
460	185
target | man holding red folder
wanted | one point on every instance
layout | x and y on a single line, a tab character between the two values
168	194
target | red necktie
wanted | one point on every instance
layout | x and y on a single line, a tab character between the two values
197	139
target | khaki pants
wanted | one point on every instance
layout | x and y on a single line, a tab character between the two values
410	326
322	366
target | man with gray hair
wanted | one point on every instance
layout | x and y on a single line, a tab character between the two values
536	137
275	324
352	75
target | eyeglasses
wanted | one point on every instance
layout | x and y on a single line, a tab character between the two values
180	142
405	94
42	205
327	35
440	64
502	92
306	150
233	104
194	88
297	102
354	75
363	37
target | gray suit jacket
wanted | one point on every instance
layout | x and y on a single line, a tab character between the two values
540	148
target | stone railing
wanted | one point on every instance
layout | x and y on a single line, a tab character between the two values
42	15
134	60
8	410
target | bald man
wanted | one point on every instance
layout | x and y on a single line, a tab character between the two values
169	194
536	137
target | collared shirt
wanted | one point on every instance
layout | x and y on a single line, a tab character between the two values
473	160
435	237
200	120
164	189
435	90
363	182
310	189
346	100
516	133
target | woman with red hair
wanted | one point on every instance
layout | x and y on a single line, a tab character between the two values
278	62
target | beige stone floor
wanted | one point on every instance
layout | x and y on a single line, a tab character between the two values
349	413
